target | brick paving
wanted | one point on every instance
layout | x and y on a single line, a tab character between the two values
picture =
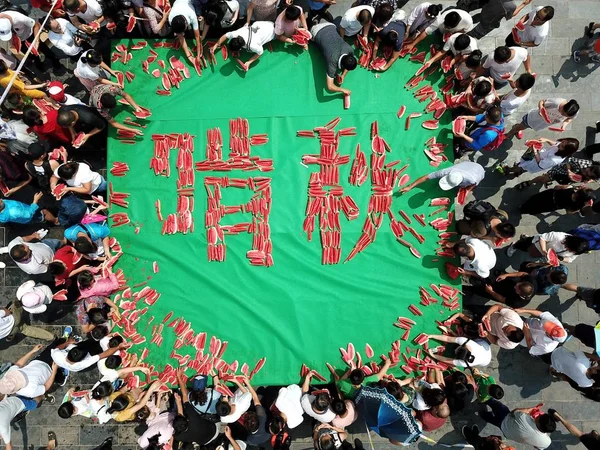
525	380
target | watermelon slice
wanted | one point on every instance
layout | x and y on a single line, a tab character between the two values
378	63
404	179
156	73
401	111
552	258
130	24
446	64
121	78
439	201
506	76
431	124
58	190
462	196
557	129
535	144
415	252
459	126
520	26
346	101
409	118
452	270
163	92
515	35
242	64
224	53
78	141
143	114
369	351
419	57
166	82
544	114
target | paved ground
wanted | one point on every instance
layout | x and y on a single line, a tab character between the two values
525	380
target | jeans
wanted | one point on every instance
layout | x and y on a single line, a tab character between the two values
54	244
101	188
498	413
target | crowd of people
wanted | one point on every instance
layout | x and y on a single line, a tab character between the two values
46	182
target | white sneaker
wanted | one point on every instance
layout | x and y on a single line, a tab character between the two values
3	250
510	250
2	265
42	232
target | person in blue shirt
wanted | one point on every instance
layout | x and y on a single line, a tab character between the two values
17	212
549	279
488	135
90	239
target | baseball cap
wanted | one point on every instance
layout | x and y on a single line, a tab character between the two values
12	381
5	30
56	90
554	330
451	180
32	299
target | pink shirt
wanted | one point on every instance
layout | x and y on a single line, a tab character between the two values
285	27
102	287
351	416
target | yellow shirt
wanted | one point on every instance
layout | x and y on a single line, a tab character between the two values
19	87
125	415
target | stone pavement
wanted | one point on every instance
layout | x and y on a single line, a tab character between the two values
525	380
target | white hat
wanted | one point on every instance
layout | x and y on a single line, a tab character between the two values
25	288
5	30
451	180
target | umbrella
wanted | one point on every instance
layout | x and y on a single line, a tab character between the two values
387	416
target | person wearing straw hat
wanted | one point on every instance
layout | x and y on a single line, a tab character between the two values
465	174
35	297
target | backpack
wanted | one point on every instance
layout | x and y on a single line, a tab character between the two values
591	236
497	142
479	210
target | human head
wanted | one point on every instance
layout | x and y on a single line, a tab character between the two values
76	354
180	423
442	411
98	332
20	253
495	391
433	396
211	17
545	423
364	17
338	406
451	20
85	279
113	362
494	115
31	116
92	57
120	403
451	180
108	101
462	42
237	43
478	229
591	173
525	290
483	88
276	425
66	410
56	91
178	24
591	439
37	150
544	15
321	402
292	13
433	11
84	245
326	442
525	81
474	59
348	62
558	276
103	390
223	408
506	230
513	333
464	354
383	14
251	421
97	316
458	377
567	146
66	118
391	38
461	248
571	108
142	414
56	268
115	341
199	397
463	226
71	5
584	196
576	244
356	377
502	54
13	99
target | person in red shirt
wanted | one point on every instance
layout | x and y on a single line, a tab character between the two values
45	5
45	125
433	418
66	264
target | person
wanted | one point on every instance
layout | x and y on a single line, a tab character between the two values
157	23
93	311
569	198
479	256
345	412
56	91
524	425
504	63
14	22
33	257
316	404
35	297
251	38
589	232
467	69
12	322
352	380
19	86
590	49
458	46
559	111
161	426
392	35
125	406
255	422
355	20
288	409
506	327
421	17
465	174
203	398
511	290
480	95
487	136
536	26
492	13
326	436
535	161
191	427
12	211
80	179
103	98
571	170
288	20
83	13
90	285
449	22
459	391
543	333
262	10
231	409
75	358
486	386
81	119
492	442
566	246
31	378
590	440
92	240
520	93
182	18
574	367
469	353
338	54
45	125
223	14
64	37
591	296
10	408
548	279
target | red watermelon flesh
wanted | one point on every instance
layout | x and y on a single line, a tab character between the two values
78	140
462	196
403	179
459	126
544	115
553	258
520	26
401	111
535	144
430	124
130	24
452	270
446	63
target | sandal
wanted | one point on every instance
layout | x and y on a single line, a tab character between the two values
590	30
51	437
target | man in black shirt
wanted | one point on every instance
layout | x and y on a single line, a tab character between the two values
81	119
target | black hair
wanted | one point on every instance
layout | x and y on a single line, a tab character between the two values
326	442
506	230
222	408
558	277
97	316
36	150
108	101
593	394
567	146
236	44
76	354
461	248
590	440
462	41
71	5
198	397
571	108
65	118
576	244
292	12
495	391
85	278
364	17
525	81
356	377
515	335
584	196
103	390
474	59
3	67
67	170
463	226
178	24
494	114
18	253
394	389
383	13
277	424
482	88
451	20
526	289
338	406
142	414
502	54
31	116
457	390
546	423
322	401
113	361
459	377
180	423
434	10
120	403
13	98
547	13
391	38
92	57
433	396
99	332
84	245
349	62
66	410
115	341
251	421
211	17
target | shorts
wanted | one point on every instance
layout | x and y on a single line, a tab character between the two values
30	404
524	121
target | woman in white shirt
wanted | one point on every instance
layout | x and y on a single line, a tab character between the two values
91	70
558	111
79	177
521	90
566	246
63	36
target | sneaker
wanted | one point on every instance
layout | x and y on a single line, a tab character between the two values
510	250
3	250
65	376
576	56
463	431
2	265
67	332
77	338
595	59
50	399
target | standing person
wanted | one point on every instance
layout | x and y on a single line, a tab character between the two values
504	63
63	36
92	70
262	10
566	246
12	211
355	20
571	199
91	240
591	49
287	21
536	27
10	408
19	86
570	170
35	297
506	327
12	322
45	125
222	15
458	46
158	20
33	257
465	174
81	119
449	22
420	18
83	12
184	17
492	13
103	98
574	367
231	409
543	333
339	56
513	290
521	90
479	256
590	440
535	161
559	111
548	279
487	136
316	404
288	409
251	38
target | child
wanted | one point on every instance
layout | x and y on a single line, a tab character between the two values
521	90
353	379
90	286
486	387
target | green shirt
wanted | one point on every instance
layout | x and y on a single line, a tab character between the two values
348	390
483	381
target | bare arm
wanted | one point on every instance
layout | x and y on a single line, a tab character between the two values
22	362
